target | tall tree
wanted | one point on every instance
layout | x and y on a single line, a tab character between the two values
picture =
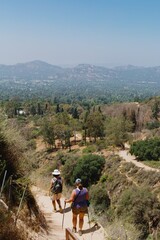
48	132
155	110
95	125
117	131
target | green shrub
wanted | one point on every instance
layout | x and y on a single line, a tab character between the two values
146	149
32	144
139	206
88	168
90	149
153	125
101	144
99	197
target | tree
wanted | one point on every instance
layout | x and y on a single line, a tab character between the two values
95	125
117	131
60	133
133	120
62	118
84	125
155	110
74	126
39	110
33	110
88	168
48	132
75	113
57	108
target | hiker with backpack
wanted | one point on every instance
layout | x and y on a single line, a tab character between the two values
56	190
79	199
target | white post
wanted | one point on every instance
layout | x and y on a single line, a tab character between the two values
5	173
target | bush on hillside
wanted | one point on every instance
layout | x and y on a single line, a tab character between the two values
153	125
90	149
8	231
89	168
99	197
120	230
139	206
146	149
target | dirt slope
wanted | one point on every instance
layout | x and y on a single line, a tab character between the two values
54	220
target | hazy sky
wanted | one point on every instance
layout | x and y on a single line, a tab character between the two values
69	32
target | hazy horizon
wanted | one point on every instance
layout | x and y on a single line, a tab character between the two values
68	32
74	65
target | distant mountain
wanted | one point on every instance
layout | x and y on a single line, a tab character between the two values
85	80
31	70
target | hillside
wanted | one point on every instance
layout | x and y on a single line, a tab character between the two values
85	81
90	144
124	200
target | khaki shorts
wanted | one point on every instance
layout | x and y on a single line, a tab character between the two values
56	196
76	211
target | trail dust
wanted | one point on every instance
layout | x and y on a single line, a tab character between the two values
54	220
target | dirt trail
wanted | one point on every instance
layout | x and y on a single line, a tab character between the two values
131	158
54	220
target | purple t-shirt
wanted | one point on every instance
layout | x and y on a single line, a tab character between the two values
80	198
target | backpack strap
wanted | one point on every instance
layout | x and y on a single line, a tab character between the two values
76	196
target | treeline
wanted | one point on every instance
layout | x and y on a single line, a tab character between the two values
104	125
63	121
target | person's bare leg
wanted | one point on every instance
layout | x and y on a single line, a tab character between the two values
59	203
81	220
54	204
74	221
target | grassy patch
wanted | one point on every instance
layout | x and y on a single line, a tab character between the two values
154	164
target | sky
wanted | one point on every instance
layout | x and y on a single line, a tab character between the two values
71	32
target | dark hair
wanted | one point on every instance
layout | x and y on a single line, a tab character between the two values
80	186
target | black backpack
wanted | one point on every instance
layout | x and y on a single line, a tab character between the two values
57	186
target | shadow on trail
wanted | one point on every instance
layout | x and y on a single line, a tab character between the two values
92	229
68	209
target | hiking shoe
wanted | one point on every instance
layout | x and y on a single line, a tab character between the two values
61	210
74	230
54	210
80	232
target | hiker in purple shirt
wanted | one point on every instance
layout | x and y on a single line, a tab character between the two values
79	198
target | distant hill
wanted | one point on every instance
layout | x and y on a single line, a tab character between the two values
83	81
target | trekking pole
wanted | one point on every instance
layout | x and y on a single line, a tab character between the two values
4	178
89	222
63	214
88	219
